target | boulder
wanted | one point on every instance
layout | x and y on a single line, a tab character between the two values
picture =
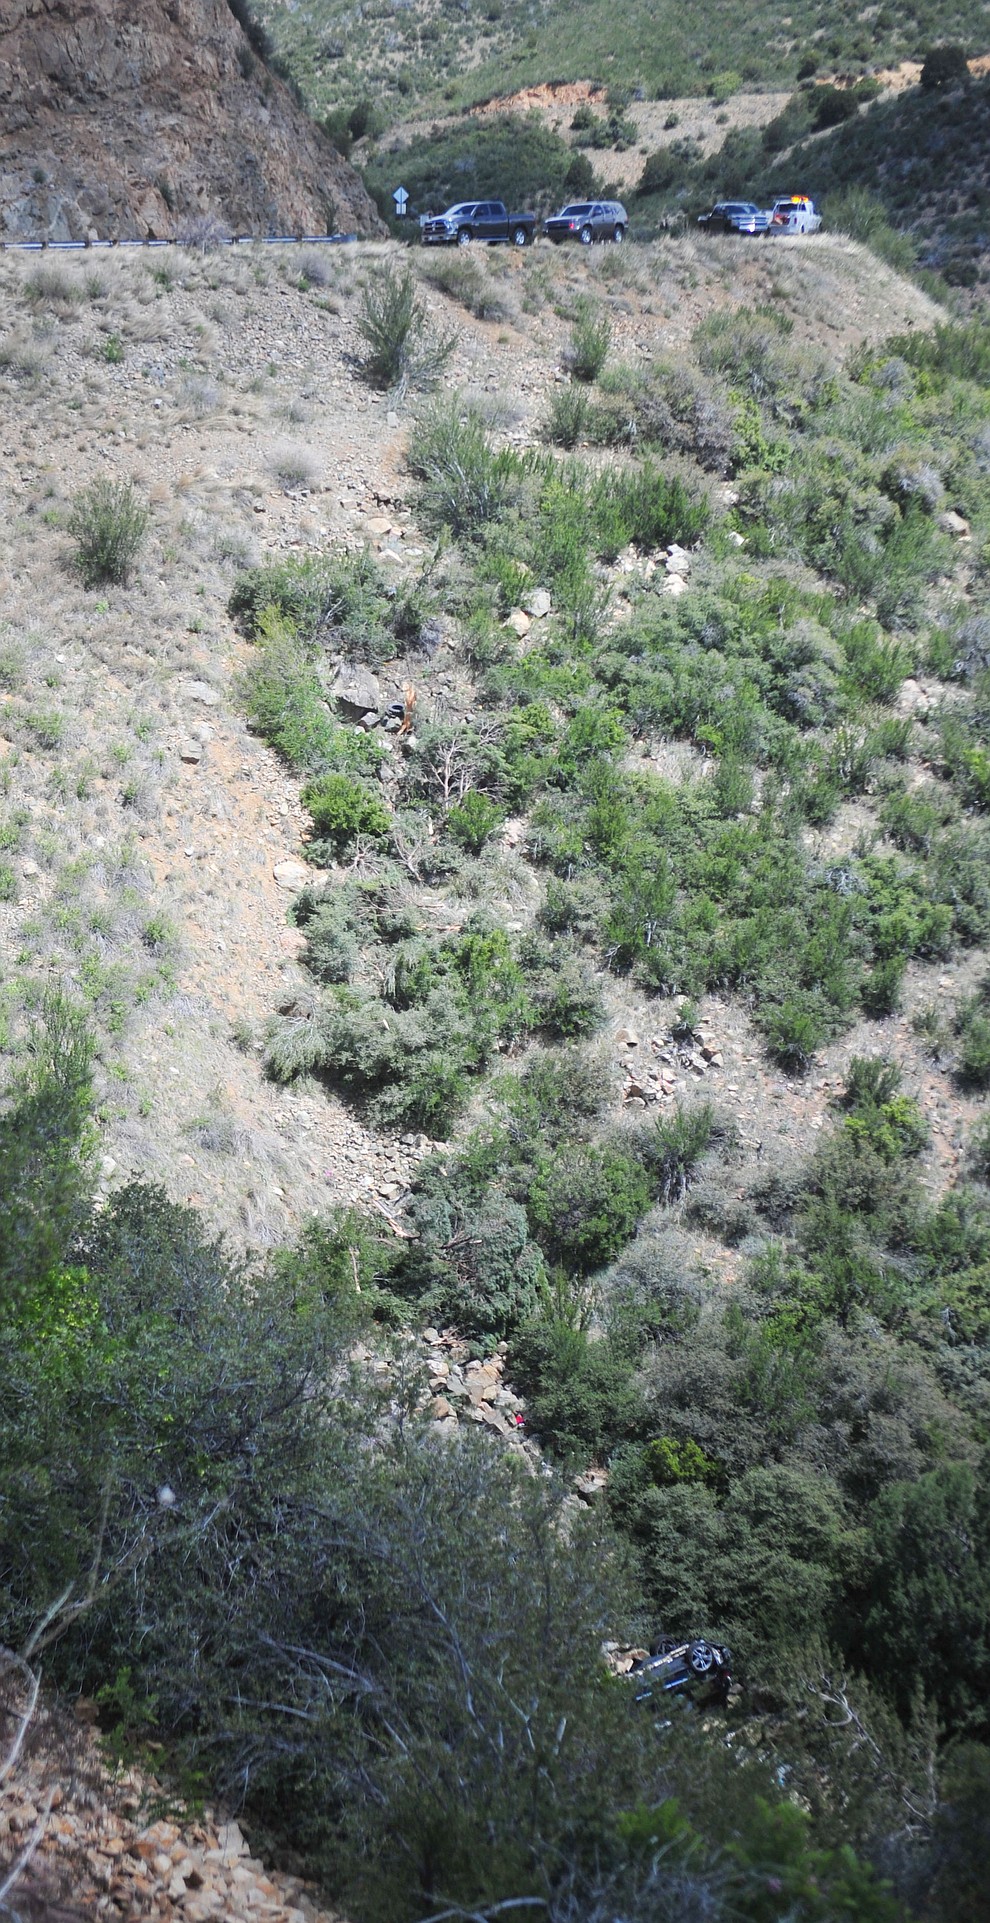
356	688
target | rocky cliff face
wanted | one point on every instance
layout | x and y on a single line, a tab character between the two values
128	118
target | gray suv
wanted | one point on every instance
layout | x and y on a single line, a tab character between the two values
588	220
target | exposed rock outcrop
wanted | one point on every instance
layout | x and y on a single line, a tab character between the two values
124	119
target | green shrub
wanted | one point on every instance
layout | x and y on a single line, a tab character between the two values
931	1580
46	1146
673	1147
863	216
298	591
8	882
474	820
584	1204
794	1032
661	170
591	338
340	601
954	350
333	933
108	525
567	418
567	997
881	990
284	699
401	349
669	1462
443	1009
484	1274
972	1027
978	1151
464	279
559	1094
46	727
876	1113
646	507
342	809
581	1396
833	105
465	484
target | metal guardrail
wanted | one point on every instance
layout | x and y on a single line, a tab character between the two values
226	240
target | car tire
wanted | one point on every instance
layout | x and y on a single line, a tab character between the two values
701	1658
519	236
619	235
586	236
464	236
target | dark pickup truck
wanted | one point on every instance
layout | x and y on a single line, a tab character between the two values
477	220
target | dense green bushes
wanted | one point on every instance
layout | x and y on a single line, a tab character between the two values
775	1451
430	1014
323	1617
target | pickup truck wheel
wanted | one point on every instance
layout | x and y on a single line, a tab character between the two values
586	236
464	236
619	235
519	236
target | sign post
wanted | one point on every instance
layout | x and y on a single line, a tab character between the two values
401	199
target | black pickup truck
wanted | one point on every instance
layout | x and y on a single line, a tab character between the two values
477	220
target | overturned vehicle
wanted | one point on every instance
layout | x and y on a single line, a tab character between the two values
700	1668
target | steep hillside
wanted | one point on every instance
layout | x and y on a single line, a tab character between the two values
926	156
495	925
442	53
226	391
130	120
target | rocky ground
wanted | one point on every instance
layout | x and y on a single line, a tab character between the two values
82	1839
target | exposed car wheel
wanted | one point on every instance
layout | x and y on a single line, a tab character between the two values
619	235
463	236
519	237
701	1658
586	236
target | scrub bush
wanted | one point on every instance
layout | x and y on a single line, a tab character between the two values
342	809
108	525
591	338
402	350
